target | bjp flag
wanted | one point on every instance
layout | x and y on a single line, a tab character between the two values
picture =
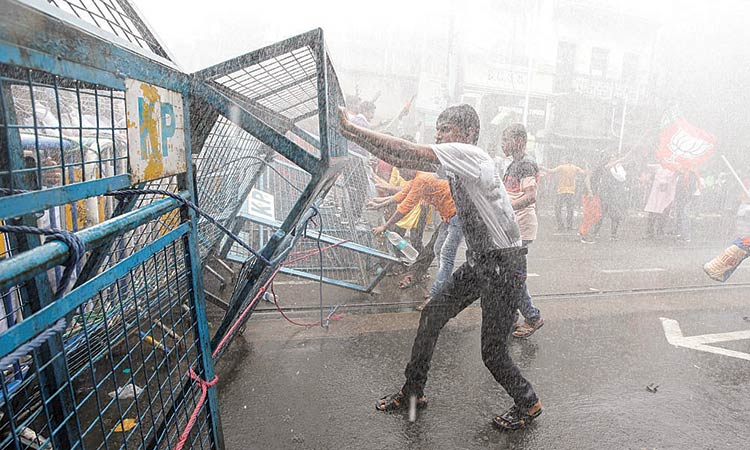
683	147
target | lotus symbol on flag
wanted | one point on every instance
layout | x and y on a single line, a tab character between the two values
684	147
687	146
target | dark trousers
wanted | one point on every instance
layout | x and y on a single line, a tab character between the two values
498	279
615	213
567	201
655	224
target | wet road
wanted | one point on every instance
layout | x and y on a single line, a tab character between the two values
285	387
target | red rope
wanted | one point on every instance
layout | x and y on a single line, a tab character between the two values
205	385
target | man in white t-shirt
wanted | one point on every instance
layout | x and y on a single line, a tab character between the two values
495	269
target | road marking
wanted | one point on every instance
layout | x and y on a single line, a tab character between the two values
531	274
651	269
674	336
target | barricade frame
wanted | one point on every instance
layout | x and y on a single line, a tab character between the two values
102	60
65	46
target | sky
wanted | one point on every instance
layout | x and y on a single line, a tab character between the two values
199	37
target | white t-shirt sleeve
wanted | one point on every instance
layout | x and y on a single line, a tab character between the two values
463	160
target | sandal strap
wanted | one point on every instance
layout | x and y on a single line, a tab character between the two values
397	401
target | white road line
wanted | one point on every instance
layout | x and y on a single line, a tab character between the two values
651	269
674	336
531	274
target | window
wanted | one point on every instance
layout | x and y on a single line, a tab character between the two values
599	60
566	57
629	67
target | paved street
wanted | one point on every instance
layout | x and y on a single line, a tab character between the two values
288	387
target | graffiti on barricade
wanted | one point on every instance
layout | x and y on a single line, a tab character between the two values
156	136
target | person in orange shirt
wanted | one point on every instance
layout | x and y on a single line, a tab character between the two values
427	189
566	192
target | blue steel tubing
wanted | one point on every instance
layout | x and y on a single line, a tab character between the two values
41	61
76	249
26	329
51	254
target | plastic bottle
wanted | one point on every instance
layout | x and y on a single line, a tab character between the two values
409	252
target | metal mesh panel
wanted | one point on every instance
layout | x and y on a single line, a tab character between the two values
114	16
285	84
135	336
132	241
343	217
226	169
69	131
11	301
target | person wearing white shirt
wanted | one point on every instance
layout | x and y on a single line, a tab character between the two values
495	270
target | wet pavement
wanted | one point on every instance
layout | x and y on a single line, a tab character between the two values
603	345
284	387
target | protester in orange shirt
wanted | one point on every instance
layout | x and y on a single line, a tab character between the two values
427	189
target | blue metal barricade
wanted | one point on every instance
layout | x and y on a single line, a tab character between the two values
106	148
90	103
101	365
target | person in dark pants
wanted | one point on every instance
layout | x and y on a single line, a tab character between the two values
495	270
608	182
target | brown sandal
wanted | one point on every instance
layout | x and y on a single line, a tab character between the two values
516	418
407	281
398	401
527	329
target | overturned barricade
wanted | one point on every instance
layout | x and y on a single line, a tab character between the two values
119	176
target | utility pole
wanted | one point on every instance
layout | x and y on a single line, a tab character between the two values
530	52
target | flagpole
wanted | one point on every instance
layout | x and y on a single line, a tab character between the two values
736	176
622	124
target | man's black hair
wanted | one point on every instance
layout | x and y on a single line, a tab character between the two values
465	117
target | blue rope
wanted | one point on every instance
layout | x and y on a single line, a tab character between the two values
38	341
76	249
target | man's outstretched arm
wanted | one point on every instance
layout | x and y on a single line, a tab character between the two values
395	151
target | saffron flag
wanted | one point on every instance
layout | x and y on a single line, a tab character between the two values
683	147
